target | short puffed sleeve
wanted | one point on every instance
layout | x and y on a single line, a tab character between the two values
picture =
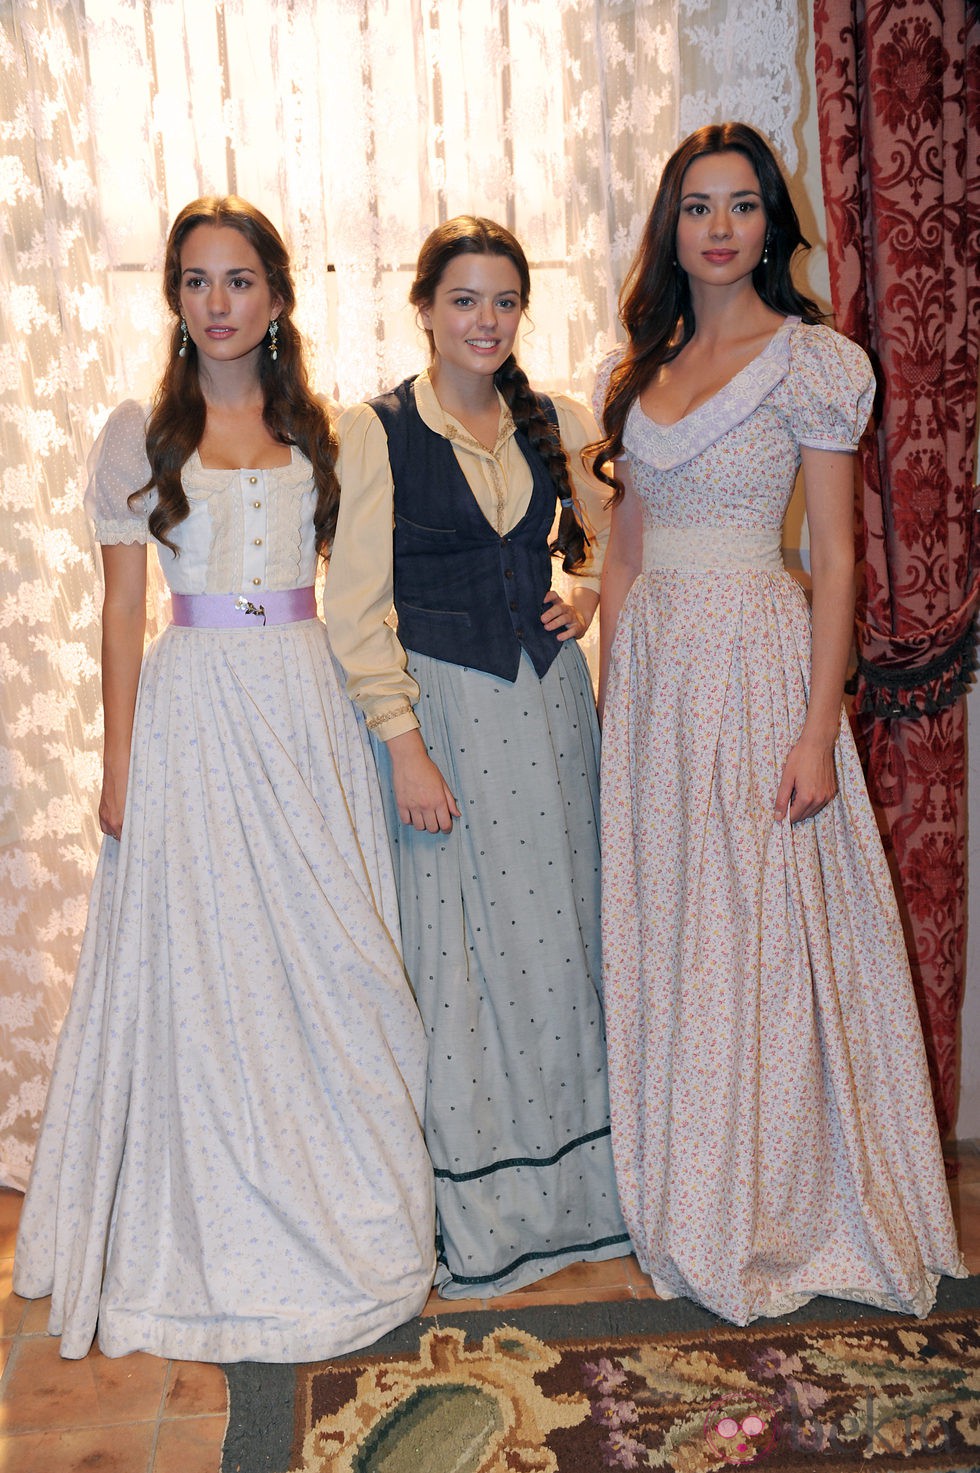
117	466
833	388
603	375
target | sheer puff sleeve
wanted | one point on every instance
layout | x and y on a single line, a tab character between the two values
117	466
833	388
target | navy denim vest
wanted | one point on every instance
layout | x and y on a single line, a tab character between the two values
463	593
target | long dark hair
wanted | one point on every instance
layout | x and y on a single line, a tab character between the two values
474	236
291	412
655	303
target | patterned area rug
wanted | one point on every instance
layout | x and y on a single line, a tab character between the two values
627	1385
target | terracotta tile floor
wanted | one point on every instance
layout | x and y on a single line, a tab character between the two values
144	1415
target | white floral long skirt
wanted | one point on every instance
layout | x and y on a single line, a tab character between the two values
231	1164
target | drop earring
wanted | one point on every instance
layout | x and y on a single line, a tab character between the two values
765	251
273	334
182	350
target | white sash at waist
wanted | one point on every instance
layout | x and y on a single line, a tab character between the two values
701	549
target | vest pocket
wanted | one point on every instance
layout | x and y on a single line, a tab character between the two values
416	612
418	531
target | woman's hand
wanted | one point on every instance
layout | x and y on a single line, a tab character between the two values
562	618
565	619
112	803
421	792
808	782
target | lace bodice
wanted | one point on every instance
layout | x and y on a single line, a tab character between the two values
247	529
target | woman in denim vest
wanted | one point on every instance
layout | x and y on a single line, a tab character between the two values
484	722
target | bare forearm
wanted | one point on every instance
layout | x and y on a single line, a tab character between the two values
829	481
833	631
123	629
808	781
123	632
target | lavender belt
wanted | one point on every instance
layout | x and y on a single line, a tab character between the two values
228	611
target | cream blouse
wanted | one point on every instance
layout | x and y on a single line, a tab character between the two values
357	599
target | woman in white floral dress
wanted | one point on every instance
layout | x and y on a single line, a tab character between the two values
773	1128
231	1164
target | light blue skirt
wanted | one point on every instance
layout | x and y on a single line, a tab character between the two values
500	929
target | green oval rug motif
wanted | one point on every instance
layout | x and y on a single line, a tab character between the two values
458	1420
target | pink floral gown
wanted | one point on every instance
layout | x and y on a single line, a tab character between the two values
773	1128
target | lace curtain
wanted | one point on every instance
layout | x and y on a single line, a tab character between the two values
358	125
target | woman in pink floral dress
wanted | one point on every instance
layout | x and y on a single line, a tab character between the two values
773	1128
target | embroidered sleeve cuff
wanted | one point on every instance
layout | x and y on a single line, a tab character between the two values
392	721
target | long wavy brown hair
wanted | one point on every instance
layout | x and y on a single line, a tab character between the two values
475	236
655	303
291	411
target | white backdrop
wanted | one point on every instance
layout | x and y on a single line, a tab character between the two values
357	125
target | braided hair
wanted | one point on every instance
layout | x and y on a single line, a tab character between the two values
475	236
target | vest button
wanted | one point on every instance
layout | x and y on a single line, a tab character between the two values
519	633
513	606
508	572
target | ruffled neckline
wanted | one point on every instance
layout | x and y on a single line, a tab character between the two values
664	447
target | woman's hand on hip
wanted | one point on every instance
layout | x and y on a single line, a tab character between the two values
561	618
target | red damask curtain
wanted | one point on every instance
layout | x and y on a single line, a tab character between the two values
898	91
